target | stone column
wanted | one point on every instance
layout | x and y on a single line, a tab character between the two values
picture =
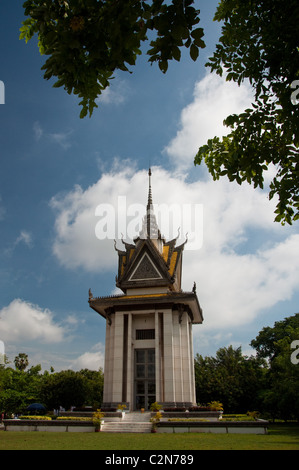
109	345
157	357
117	368
130	366
169	390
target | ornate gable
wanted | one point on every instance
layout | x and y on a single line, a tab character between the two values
145	270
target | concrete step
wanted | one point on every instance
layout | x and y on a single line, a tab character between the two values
126	427
136	422
137	417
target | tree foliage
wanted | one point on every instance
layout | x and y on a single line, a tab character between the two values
21	361
269	339
231	378
281	397
259	42
267	382
20	388
88	40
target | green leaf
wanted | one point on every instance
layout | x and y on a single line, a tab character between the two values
194	52
176	53
163	65
197	35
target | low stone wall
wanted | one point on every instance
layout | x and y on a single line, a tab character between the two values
48	426
224	427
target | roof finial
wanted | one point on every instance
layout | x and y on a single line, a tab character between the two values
150	199
150	227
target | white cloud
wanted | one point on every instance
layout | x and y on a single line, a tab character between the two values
116	93
92	360
214	100
38	131
247	263
25	238
22	321
60	138
234	288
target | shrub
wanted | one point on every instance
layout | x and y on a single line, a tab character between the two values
155	406
121	407
97	418
73	418
215	406
47	418
199	408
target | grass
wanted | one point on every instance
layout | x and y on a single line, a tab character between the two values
279	437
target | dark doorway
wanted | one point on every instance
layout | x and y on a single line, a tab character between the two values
145	378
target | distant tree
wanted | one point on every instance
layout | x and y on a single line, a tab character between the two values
231	378
66	388
21	361
94	381
259	42
19	388
267	343
88	40
281	396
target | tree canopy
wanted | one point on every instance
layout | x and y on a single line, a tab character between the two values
267	382
20	388
259	43
88	40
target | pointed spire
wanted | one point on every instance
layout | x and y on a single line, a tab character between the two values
150	199
149	210
150	227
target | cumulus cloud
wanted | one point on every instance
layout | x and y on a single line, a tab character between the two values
92	360
214	100
244	264
22	321
76	244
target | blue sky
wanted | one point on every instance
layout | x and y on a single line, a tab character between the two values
56	169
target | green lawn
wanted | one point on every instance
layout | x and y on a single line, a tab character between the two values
279	437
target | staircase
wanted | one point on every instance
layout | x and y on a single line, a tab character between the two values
136	422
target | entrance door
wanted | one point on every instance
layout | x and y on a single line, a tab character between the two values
145	378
